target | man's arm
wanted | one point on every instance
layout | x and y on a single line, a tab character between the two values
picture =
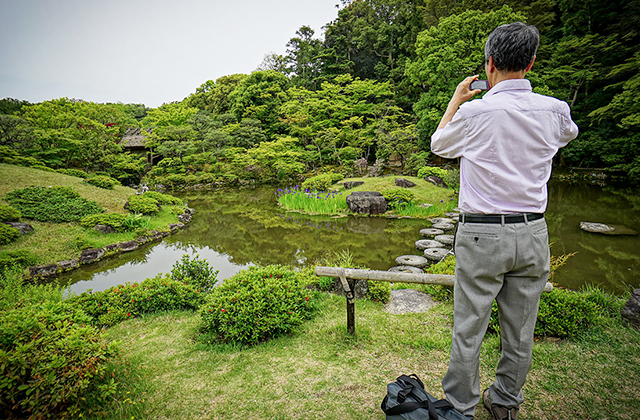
460	96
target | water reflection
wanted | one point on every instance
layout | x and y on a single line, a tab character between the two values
235	229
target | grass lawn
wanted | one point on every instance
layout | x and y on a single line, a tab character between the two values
425	192
322	372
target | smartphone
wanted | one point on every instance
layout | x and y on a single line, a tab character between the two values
479	84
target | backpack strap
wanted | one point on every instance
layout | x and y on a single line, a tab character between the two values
414	386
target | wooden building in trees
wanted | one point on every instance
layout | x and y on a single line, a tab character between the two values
135	140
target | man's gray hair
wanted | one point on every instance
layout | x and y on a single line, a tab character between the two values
512	46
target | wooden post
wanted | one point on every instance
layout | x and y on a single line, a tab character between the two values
347	275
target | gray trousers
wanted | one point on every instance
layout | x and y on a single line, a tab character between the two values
508	263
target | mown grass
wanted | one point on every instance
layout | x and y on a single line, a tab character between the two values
53	242
322	372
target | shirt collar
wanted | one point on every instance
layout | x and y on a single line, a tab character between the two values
510	84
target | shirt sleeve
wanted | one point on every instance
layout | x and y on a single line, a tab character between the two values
449	142
569	128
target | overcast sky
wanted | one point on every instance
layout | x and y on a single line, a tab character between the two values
141	51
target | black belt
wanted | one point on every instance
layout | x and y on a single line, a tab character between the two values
500	218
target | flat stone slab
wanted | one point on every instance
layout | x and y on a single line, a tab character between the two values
423	244
437	220
406	269
606	229
435	254
409	301
431	232
443	226
445	239
412	260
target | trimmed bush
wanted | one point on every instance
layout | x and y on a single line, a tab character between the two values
9	214
8	234
397	197
163	199
426	171
20	258
50	360
436	291
195	272
379	291
322	182
256	305
73	172
114	220
56	204
143	205
102	181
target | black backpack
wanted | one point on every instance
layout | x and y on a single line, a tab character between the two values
406	399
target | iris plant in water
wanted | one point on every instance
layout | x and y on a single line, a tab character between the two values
312	201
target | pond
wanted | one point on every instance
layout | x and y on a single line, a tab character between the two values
234	229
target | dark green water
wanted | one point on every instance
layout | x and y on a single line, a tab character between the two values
235	229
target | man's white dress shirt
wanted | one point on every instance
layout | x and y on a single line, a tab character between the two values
506	142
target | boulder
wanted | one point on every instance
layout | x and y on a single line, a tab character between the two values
404	183
412	260
436	180
423	244
406	301
352	184
631	310
22	227
184	217
128	246
104	229
607	229
90	255
43	270
406	269
367	202
112	248
435	254
176	226
69	265
430	232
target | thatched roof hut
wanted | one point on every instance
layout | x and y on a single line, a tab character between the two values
135	138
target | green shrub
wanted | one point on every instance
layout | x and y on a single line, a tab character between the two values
255	305
163	199
73	172
102	181
137	222
426	171
143	205
8	234
321	182
195	271
51	360
436	291
118	303
397	197
114	220
56	204
9	214
379	291
20	258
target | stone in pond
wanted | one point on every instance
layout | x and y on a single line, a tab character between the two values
437	220
445	239
606	229
428	243
631	310
412	260
406	269
368	202
435	254
431	232
444	226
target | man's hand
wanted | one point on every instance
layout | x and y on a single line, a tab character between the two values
460	96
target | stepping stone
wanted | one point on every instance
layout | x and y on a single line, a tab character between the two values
445	239
431	232
413	260
406	301
454	216
423	244
443	226
435	254
406	269
437	220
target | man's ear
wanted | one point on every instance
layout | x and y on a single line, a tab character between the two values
491	66
530	65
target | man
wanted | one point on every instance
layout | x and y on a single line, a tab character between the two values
505	142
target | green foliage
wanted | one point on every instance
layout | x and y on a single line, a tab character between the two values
8	234
322	182
163	199
398	197
19	258
103	182
9	214
196	272
439	292
51	361
73	172
55	204
255	305
151	295
311	201
432	171
143	205
379	291
114	220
